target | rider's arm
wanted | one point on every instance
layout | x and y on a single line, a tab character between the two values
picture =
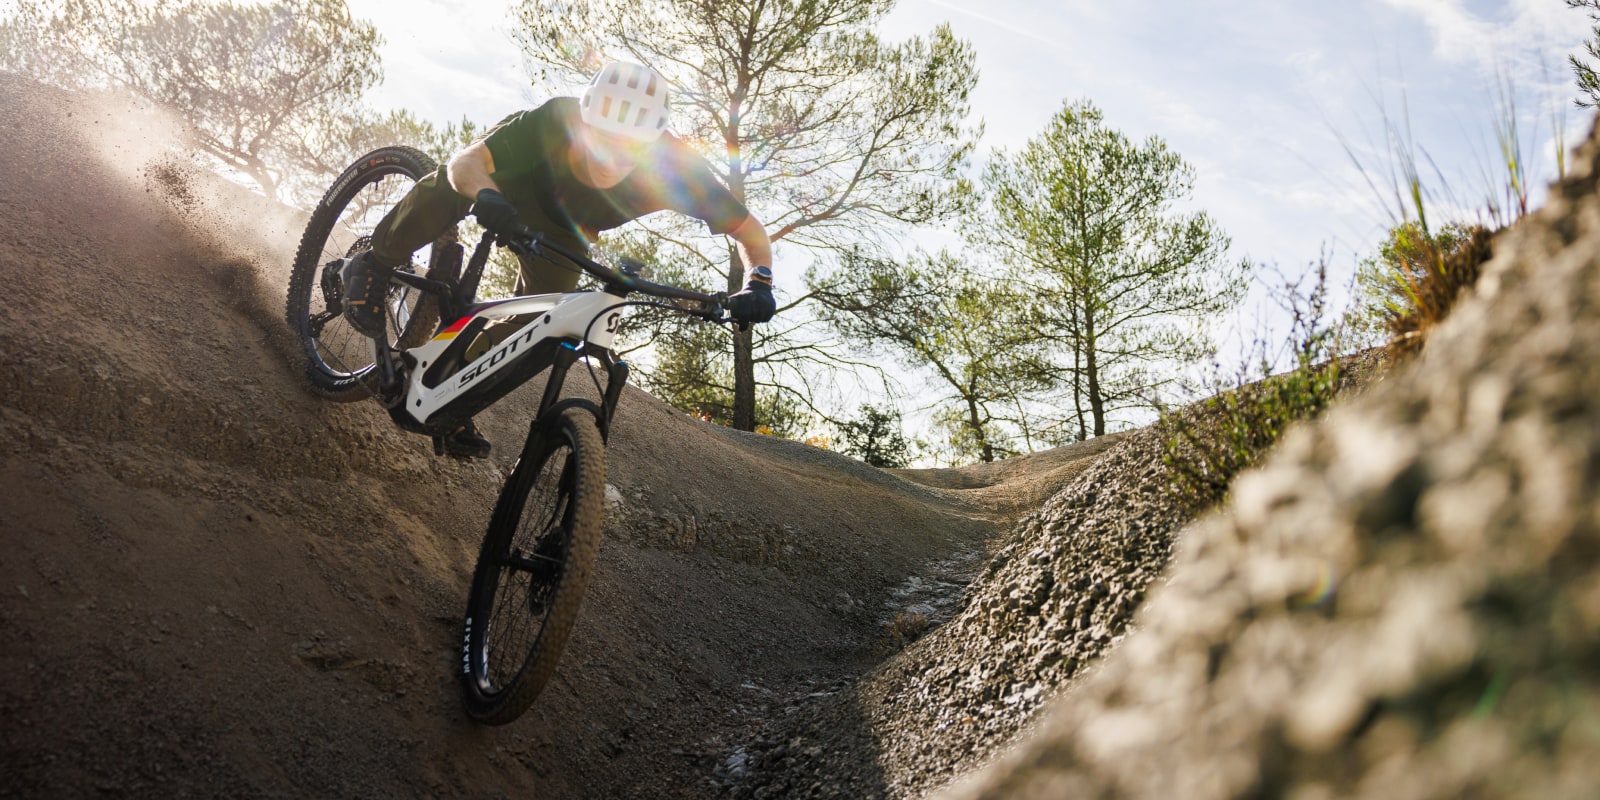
469	170
755	249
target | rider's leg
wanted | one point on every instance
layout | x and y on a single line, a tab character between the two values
540	275
425	212
536	276
420	217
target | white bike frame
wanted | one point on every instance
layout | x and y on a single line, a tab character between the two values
585	319
434	389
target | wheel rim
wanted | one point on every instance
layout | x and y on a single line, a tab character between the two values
528	574
336	348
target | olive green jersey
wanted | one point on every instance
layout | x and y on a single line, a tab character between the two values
530	150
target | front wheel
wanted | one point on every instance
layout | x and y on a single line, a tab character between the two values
533	568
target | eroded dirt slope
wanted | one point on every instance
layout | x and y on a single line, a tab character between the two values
1405	601
214	584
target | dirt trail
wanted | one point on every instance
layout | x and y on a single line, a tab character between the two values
213	584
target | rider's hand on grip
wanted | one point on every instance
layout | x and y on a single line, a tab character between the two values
496	213
755	303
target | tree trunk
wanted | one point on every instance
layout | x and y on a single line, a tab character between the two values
1097	403
744	381
744	361
1077	371
987	452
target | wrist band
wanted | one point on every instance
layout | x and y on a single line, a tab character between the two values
758	275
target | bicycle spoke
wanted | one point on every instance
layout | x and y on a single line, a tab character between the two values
317	321
528	573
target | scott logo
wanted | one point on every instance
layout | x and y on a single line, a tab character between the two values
488	363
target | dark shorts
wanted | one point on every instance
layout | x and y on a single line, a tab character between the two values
432	207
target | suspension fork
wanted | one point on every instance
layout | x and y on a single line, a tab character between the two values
566	356
616	377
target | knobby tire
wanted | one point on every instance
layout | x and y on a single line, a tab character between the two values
534	565
352	377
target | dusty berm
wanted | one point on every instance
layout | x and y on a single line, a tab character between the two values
214	584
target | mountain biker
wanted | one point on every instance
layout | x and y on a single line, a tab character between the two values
569	169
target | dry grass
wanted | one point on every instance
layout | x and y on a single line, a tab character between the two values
905	628
1426	275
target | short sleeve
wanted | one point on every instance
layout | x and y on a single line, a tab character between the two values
694	191
512	143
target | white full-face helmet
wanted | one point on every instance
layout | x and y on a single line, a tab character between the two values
628	100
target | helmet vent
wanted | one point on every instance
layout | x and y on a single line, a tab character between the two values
630	100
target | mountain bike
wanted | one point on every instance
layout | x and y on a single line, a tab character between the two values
544	532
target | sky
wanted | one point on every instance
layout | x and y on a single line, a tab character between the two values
1262	97
1266	99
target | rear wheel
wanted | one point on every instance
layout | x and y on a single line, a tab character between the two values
533	568
339	361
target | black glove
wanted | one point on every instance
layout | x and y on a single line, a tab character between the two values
496	213
755	303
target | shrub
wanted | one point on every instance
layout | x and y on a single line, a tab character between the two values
1417	278
1210	442
905	628
875	437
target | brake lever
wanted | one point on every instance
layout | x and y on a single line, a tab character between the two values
523	243
720	310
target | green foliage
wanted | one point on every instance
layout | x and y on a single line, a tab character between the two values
1100	292
1584	71
941	314
813	120
1416	279
1422	269
1209	443
874	437
1120	283
268	88
966	441
689	375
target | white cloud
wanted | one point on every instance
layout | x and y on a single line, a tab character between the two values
991	19
1458	33
1523	35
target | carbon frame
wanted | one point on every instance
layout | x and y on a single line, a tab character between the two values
441	391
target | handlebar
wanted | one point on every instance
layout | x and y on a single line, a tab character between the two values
531	242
